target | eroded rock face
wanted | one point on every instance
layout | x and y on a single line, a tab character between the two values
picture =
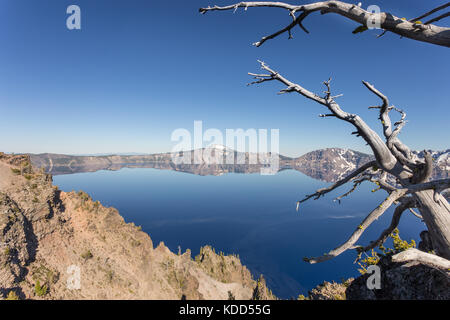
261	292
329	291
404	281
46	235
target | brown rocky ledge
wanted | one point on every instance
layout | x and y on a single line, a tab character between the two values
45	231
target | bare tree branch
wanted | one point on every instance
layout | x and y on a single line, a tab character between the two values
442	16
321	192
381	182
384	110
384	157
431	12
437	185
394	143
394	224
415	213
400	151
253	4
297	21
423	257
423	171
356	183
409	29
350	243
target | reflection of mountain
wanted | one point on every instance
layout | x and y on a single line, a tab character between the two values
326	164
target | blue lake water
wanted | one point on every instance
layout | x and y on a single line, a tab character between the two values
248	214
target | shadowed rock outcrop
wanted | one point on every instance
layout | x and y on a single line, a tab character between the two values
412	280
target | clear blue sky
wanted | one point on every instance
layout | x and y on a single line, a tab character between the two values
139	69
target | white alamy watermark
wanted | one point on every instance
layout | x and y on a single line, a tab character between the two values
249	147
74	277
374	20
73	22
374	280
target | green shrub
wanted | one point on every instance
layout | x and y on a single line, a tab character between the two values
12	296
40	290
135	243
96	204
374	257
110	275
83	195
41	272
15	171
399	244
87	255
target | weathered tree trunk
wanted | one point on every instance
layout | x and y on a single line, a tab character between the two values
436	215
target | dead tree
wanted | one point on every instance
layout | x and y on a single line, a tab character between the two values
413	28
396	170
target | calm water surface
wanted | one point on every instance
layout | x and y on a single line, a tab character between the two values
247	214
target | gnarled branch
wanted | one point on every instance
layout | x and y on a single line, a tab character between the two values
384	157
380	182
442	16
424	170
400	151
431	12
350	243
437	185
423	257
415	213
409	29
356	183
394	224
321	192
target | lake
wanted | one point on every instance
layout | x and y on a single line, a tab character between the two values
247	214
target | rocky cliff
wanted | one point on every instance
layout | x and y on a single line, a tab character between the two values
50	239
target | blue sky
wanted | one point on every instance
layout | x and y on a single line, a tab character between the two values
138	69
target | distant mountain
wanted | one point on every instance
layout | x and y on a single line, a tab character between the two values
326	164
330	164
333	164
441	162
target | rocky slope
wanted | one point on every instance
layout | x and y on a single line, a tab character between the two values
47	236
328	165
